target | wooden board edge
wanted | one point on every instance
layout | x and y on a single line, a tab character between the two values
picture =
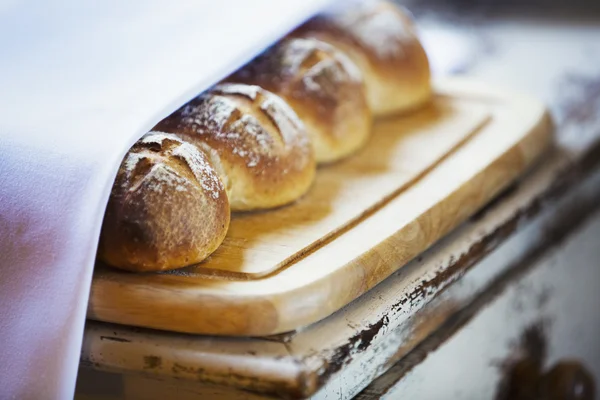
530	148
258	314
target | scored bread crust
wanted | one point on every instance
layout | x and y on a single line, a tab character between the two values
324	88
167	209
381	40
254	140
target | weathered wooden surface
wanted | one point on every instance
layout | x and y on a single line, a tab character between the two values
499	134
556	55
541	311
555	59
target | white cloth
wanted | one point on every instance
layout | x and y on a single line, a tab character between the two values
80	82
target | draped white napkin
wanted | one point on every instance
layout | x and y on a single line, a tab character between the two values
80	82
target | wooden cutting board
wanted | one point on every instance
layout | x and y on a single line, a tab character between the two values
420	176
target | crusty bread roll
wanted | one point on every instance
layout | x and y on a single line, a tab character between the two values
253	139
324	88
167	209
380	38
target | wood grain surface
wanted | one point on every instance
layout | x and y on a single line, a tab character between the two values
420	176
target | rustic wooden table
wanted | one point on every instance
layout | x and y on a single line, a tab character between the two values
516	283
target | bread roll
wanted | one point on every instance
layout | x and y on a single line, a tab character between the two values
167	209
253	139
324	88
380	38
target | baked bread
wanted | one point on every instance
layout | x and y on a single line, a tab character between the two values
167	209
239	147
380	38
324	88
253	139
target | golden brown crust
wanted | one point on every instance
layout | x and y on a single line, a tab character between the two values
380	38
167	209
323	87
253	139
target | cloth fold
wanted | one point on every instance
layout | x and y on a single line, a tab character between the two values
80	82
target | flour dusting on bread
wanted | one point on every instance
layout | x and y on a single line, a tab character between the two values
162	175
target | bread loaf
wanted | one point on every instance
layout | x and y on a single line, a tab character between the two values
253	139
167	209
380	38
324	88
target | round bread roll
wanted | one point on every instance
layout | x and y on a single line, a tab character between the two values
168	208
253	139
380	38
324	88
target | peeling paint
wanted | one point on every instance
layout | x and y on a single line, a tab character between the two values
152	362
115	339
